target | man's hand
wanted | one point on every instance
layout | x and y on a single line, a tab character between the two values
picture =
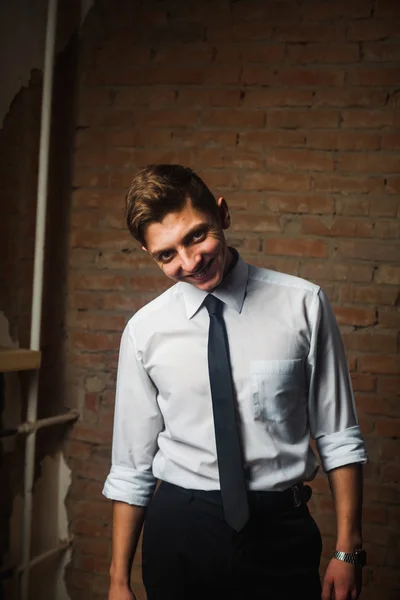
342	581
120	592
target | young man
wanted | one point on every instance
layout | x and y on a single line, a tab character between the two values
222	380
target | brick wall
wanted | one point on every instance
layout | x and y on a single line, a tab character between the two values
290	110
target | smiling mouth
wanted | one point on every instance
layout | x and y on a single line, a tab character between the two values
202	273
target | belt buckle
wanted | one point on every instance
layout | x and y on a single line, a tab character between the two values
296	496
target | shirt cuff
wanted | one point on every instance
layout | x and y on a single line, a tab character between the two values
342	448
130	486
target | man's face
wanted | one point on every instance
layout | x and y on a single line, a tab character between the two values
190	246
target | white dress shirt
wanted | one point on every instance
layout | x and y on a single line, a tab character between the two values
290	377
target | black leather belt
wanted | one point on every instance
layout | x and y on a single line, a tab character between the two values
292	497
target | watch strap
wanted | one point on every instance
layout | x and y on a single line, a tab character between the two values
354	558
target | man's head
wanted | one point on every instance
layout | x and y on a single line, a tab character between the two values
176	218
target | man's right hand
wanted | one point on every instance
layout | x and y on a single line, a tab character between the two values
120	592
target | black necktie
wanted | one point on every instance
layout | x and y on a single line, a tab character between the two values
229	452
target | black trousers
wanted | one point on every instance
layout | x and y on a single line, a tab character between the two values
190	553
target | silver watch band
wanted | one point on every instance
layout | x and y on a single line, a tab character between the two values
354	558
345	557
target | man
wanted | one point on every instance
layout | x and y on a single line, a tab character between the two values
222	380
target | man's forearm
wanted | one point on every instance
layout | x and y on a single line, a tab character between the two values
127	526
347	490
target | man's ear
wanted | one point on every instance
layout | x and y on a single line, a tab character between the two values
224	215
144	249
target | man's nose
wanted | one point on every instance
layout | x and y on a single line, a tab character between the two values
190	261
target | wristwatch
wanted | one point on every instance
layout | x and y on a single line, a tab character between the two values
358	557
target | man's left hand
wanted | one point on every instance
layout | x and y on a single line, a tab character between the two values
342	581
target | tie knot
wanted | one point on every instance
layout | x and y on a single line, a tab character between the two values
213	305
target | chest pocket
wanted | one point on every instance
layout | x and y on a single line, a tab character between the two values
278	388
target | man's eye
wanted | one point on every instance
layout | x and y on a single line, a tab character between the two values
165	255
198	235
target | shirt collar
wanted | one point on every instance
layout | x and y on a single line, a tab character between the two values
231	290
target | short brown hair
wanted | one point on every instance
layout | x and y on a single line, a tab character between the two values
157	190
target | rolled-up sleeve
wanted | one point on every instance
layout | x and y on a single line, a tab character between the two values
137	423
332	413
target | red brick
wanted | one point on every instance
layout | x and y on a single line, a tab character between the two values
97	321
125	260
363	383
308	32
372	29
279	97
379	364
300	203
303	160
262	52
236	159
369	250
321	270
260	140
220	74
90	434
173	154
125	302
384	207
84	300
88	198
350	97
254	10
368	294
351	315
257	223
387	51
310	119
99	281
392	185
315	10
202	138
223	97
387	8
391	140
311	76
153	97
168	117
239	32
100	239
179	53
77	449
383	162
117	158
388	427
370	341
288	182
135	137
94	341
367	119
220	178
87	177
323	53
343	140
389	318
292	247
84	219
389	386
374	76
340	227
234	118
388	274
347	184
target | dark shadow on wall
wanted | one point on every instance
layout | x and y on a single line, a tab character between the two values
19	151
